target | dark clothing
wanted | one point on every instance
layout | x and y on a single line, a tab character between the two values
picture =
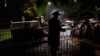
86	49
54	32
90	33
97	34
54	35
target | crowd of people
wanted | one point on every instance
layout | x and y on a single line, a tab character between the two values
88	29
85	29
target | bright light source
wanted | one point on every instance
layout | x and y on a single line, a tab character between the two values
49	3
75	1
5	5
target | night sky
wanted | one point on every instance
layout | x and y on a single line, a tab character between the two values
12	10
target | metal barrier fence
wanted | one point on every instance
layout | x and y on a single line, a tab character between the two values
25	40
31	42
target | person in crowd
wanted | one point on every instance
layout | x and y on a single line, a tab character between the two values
86	49
54	33
97	33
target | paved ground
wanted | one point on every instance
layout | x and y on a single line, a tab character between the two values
68	47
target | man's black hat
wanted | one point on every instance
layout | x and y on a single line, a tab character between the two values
56	13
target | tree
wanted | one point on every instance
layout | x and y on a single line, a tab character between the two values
29	10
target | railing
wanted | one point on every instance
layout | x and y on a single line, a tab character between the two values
28	41
24	24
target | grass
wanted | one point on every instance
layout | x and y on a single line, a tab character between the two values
5	34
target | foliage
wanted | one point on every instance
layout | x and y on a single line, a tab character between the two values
30	9
72	7
81	7
5	34
41	5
